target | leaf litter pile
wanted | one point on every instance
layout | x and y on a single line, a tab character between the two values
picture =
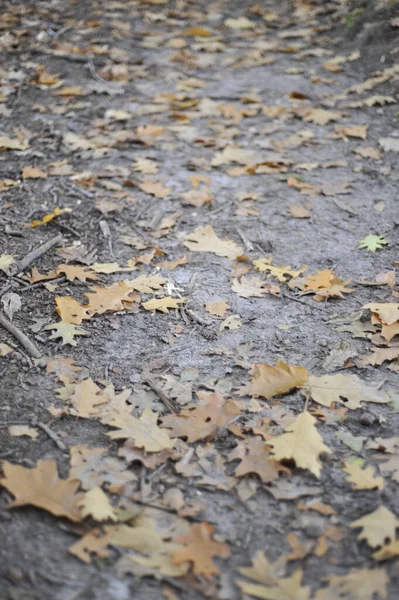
199	314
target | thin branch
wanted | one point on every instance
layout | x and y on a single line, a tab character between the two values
161	395
35	254
53	436
20	336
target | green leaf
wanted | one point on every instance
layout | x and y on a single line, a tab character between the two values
373	242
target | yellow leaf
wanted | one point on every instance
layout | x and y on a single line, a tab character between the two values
143	431
47	218
282	273
388	312
268	380
92	543
95	504
12	143
146	284
386	552
70	310
347	389
86	399
33	173
378	526
197	32
362	479
66	331
163	304
301	443
41	487
204	239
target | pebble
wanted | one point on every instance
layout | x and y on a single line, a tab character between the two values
368	419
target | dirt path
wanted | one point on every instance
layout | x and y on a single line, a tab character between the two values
184	142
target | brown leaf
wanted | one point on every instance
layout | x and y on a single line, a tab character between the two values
252	287
41	487
110	298
204	239
199	548
94	542
256	458
204	420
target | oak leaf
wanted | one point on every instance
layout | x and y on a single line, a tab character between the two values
143	431
321	116
70	310
362	479
33	173
92	468
65	331
95	503
378	526
86	399
255	457
252	287
92	543
204	420
110	298
301	443
347	389
200	548
41	487
163	304
359	584
146	284
154	188
286	588
282	273
73	272
389	551
204	239
268	380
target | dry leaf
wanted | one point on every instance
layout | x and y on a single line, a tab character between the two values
33	173
146	284
19	430
204	420
386	552
93	542
95	504
200	548
154	188
143	431
217	308
362	479
299	212
110	298
65	331
92	467
301	443
254	287
163	304
41	487
268	380
378	527
255	458
204	239
346	389
359	584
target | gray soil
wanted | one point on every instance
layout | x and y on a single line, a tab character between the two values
34	562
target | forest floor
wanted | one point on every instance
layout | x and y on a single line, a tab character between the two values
209	353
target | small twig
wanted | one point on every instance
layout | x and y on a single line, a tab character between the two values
247	243
197	318
61	31
35	254
53	436
94	74
167	401
225	205
21	337
316	306
69	229
5	289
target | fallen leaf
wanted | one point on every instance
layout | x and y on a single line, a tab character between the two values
94	542
163	304
154	188
41	487
378	527
347	389
6	260
33	173
217	308
254	287
362	479
268	380
146	284
301	443
95	504
199	549
204	239
373	242
20	430
386	552
47	218
299	212
254	455
358	584
143	431
93	467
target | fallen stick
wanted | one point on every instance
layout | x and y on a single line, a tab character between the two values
21	337
30	258
168	403
52	435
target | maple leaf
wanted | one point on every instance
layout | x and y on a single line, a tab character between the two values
41	487
322	279
378	526
373	242
163	304
143	431
362	479
359	584
387	312
203	421
92	468
301	443
255	458
110	298
204	239
268	380
65	331
199	548
95	503
251	287
347	389
94	542
146	284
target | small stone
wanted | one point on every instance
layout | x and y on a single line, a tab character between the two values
368	419
15	574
